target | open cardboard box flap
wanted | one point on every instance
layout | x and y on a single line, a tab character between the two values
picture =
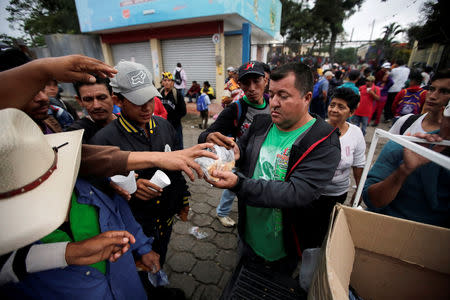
382	257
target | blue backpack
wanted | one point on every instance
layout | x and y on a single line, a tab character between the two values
201	103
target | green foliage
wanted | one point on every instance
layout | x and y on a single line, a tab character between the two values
347	55
390	32
35	18
435	25
333	13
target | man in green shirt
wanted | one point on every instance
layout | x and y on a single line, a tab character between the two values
285	160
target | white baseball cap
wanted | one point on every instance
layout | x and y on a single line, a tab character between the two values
37	179
134	82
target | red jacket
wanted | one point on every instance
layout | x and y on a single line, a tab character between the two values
159	109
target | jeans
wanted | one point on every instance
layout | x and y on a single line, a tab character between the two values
361	120
179	136
224	207
193	96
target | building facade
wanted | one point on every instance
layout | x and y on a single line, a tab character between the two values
205	36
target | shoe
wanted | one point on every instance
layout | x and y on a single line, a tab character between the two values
226	221
200	126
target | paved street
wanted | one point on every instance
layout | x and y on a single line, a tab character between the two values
203	267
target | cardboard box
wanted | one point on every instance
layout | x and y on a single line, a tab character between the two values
382	257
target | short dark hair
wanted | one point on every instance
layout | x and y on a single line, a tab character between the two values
441	74
415	75
348	95
98	80
120	96
206	83
179	65
304	80
194	81
12	58
367	71
266	68
400	62
353	75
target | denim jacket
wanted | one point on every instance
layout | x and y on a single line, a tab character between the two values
84	282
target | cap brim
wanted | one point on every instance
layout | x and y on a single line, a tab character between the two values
251	73
143	95
28	217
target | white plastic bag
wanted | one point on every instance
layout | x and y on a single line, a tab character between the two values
224	163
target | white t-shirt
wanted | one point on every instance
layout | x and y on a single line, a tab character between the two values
353	154
399	75
414	128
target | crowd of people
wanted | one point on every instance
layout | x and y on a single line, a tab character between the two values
296	139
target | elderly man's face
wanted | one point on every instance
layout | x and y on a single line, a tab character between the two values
37	109
288	106
253	87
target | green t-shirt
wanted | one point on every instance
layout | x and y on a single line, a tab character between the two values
263	226
84	225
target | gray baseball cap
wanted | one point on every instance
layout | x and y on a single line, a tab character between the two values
134	82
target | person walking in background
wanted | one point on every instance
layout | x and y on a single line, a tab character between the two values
411	99
369	94
175	106
203	103
399	76
180	79
194	91
384	85
231	89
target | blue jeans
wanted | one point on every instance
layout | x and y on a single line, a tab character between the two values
361	120
224	207
193	96
179	137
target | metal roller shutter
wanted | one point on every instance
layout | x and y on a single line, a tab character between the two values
139	52
196	55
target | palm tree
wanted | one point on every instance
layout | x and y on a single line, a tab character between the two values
390	32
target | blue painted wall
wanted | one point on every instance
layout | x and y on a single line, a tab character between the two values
95	15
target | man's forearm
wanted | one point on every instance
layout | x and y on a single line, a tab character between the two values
382	193
32	75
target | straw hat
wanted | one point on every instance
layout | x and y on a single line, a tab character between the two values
36	181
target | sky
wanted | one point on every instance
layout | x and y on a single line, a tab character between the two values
403	12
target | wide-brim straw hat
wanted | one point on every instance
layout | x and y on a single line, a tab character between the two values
36	181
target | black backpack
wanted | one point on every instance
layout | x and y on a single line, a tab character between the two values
178	77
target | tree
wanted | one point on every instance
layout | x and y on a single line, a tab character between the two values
347	55
333	13
390	32
39	17
298	24
434	26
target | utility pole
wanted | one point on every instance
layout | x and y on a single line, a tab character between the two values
371	32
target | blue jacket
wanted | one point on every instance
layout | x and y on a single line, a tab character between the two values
84	282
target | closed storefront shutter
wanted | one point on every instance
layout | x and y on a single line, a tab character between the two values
137	52
196	55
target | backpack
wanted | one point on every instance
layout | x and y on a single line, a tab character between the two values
316	90
178	77
410	103
201	103
408	123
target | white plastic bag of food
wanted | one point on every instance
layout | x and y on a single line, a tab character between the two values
224	163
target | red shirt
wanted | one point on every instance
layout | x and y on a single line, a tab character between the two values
159	109
365	107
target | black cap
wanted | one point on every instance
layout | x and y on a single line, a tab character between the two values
252	67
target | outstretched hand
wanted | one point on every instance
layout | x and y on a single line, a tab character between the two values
73	68
184	160
220	140
107	245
